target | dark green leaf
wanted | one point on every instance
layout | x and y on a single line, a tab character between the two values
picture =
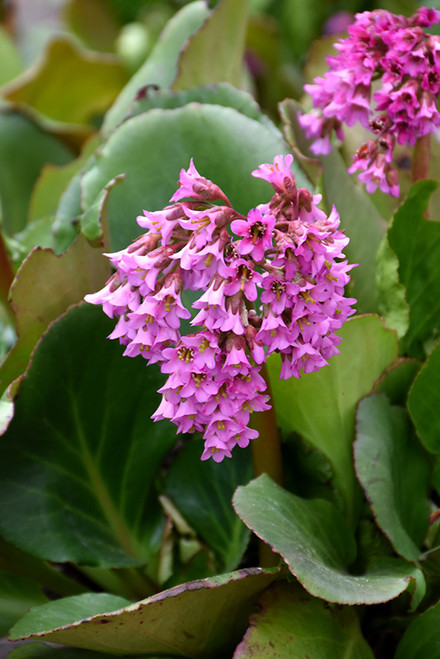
69	85
422	638
201	618
289	623
394	472
202	492
78	462
315	541
423	402
416	242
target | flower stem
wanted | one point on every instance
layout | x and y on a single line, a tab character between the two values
266	453
421	158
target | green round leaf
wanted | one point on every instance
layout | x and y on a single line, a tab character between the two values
150	149
422	638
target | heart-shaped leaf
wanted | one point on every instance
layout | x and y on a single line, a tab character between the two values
79	459
150	149
316	542
394	472
197	619
423	402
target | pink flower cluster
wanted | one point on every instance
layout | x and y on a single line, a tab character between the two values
397	51
271	281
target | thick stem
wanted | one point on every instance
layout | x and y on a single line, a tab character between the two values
421	158
266	453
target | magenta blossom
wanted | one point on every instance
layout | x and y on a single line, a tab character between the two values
275	284
398	53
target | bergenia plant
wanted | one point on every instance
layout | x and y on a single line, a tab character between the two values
386	77
250	466
271	281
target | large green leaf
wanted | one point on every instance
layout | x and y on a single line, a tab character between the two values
290	624
64	280
422	638
215	53
321	406
69	85
160	67
423	402
43	651
20	165
394	472
416	242
197	619
79	459
315	541
150	149
202	492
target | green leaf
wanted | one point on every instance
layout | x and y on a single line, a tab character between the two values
160	67
17	596
396	381
392	303
315	541
221	93
422	638
54	180
423	402
394	472
10	60
64	280
365	227
289	623
20	166
202	492
150	150
69	85
215	53
79	459
416	242
321	406
200	618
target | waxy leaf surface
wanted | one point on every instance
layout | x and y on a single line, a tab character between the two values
152	148
314	539
197	619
